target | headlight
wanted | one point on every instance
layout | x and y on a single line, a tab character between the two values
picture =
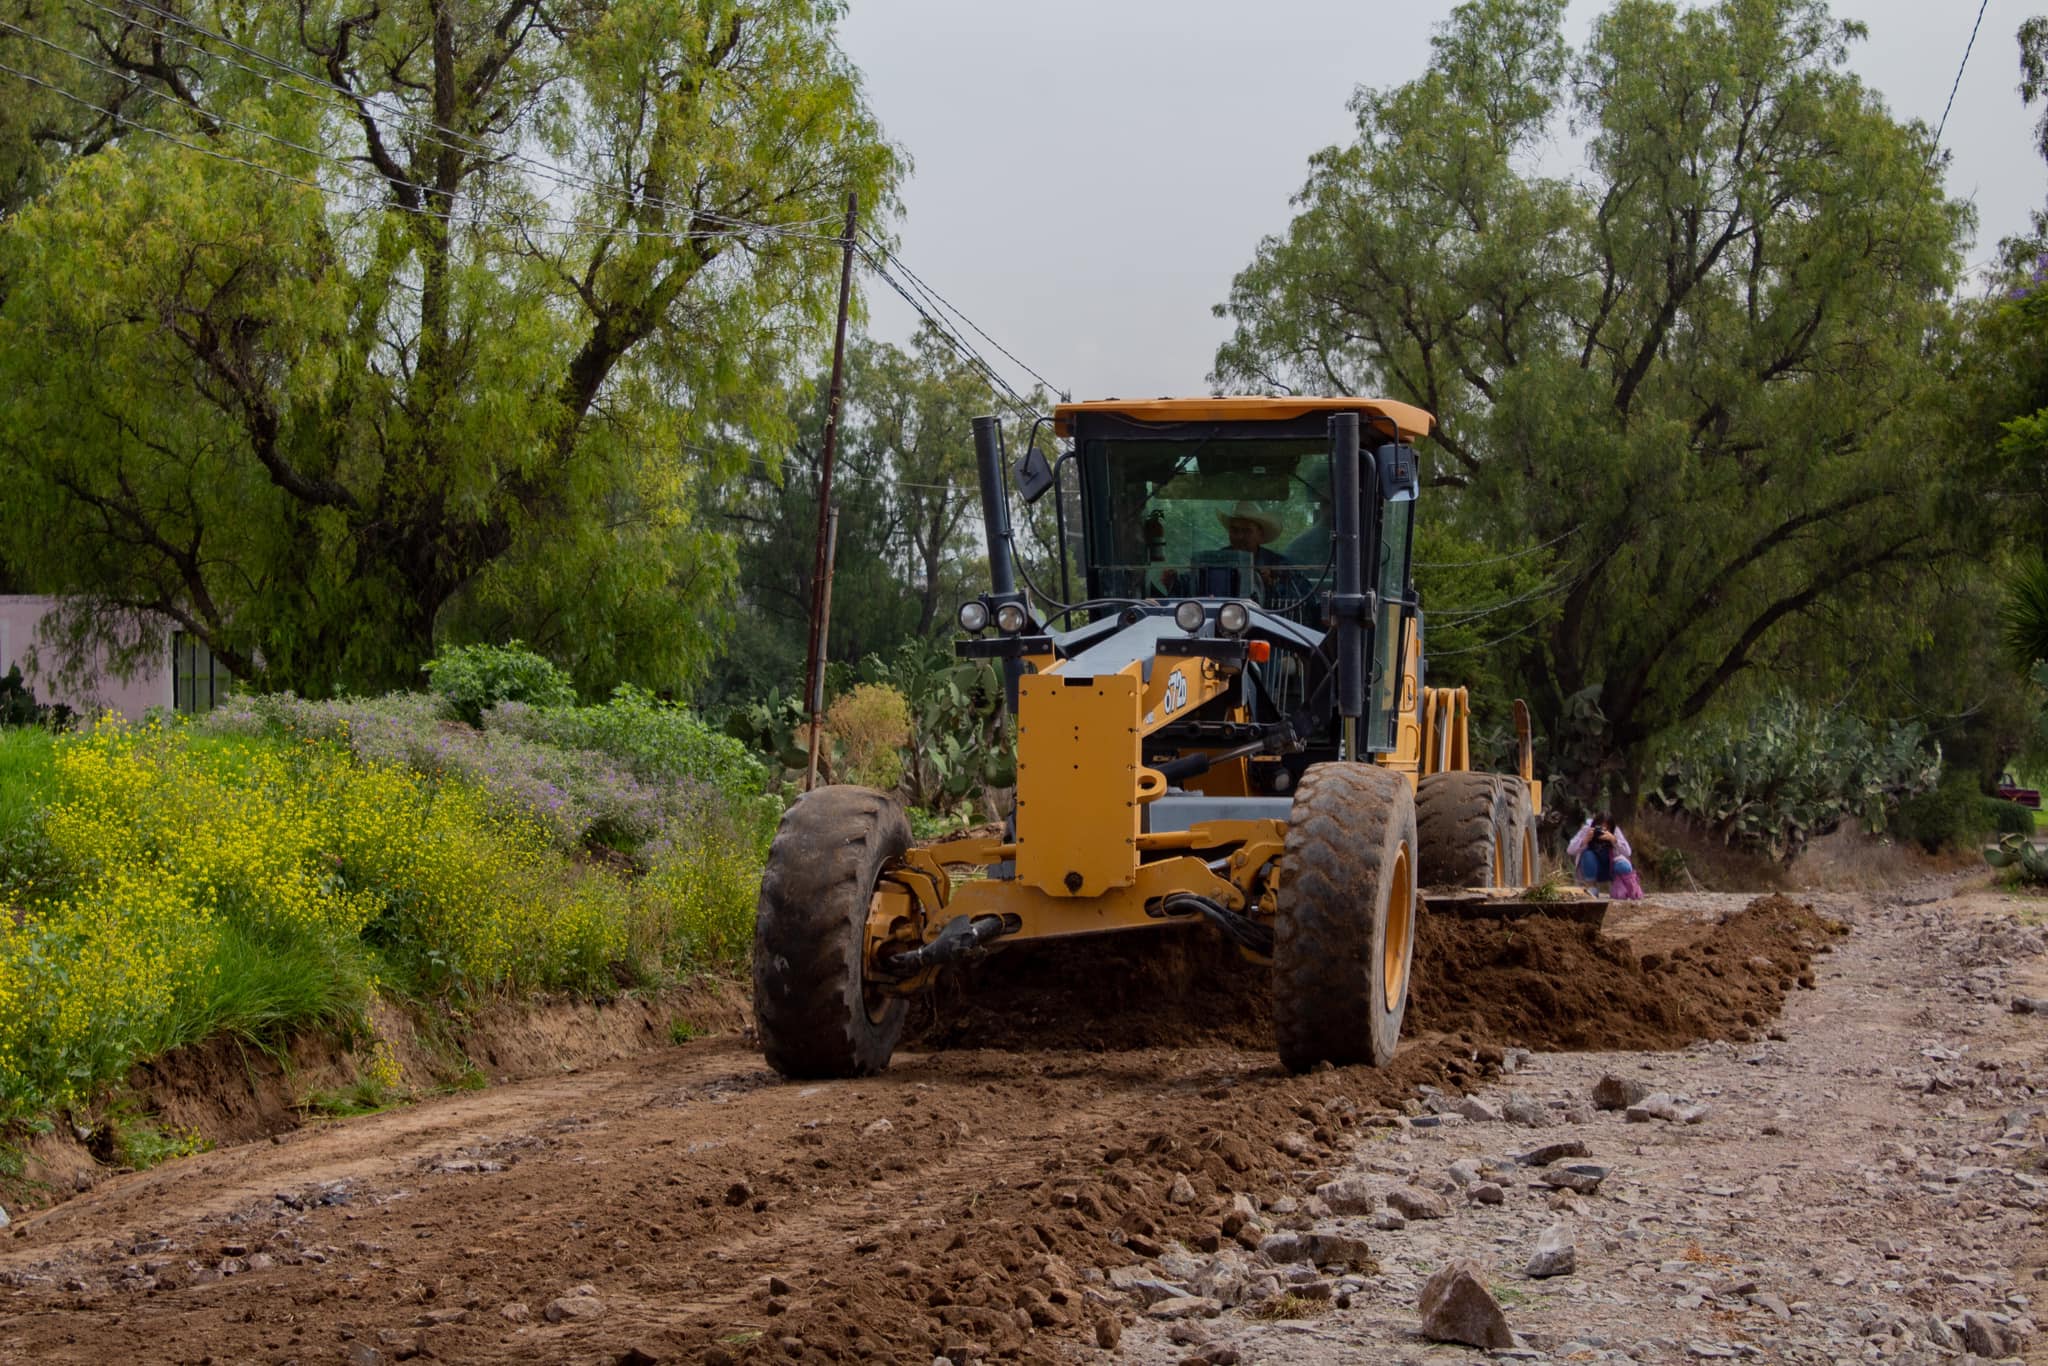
1010	618
1188	616
1232	618
974	616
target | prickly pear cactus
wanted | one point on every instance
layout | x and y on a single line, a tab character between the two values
2021	853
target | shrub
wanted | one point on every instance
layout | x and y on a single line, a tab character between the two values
959	745
256	888
2009	818
869	726
584	800
660	743
471	678
1957	814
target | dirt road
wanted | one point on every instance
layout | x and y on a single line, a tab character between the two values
1026	1192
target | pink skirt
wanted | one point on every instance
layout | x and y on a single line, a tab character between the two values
1628	887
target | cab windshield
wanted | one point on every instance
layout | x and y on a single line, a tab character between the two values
1209	517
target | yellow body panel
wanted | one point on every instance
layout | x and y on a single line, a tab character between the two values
1413	423
1077	782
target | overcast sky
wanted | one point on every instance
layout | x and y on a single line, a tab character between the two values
1091	173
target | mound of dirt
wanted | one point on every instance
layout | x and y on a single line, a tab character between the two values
1543	983
1531	983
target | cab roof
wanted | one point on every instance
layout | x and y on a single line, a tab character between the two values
1412	422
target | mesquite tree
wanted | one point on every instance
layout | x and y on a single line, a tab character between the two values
1695	367
333	325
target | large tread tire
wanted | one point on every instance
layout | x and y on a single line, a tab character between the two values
812	1011
1525	847
1465	823
1344	944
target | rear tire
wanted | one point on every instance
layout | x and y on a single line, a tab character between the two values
1466	822
1345	938
815	1012
1525	862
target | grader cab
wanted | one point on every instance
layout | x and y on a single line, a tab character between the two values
1230	727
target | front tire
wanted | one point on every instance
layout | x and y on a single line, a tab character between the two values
814	1009
1345	937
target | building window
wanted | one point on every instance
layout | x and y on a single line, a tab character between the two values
197	682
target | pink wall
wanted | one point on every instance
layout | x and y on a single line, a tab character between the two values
19	617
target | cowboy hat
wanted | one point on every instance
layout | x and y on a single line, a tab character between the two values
1266	522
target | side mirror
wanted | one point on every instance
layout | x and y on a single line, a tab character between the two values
1399	470
1034	475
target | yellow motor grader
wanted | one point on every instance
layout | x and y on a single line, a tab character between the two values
1229	727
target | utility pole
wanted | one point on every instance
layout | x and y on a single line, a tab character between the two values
821	572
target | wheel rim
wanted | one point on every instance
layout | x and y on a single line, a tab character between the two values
872	1000
1528	859
1400	925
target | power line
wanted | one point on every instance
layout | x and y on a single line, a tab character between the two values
1544	593
912	275
997	384
1982	5
1497	559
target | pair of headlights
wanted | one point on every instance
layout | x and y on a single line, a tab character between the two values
1010	617
1232	618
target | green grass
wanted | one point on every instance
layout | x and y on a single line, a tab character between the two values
26	779
263	992
365	1097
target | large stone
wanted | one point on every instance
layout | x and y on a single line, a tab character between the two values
1349	1195
1139	1281
574	1308
1557	1253
1479	1111
1327	1247
1582	1178
1485	1193
1388	1220
1283	1248
1184	1306
1521	1108
1987	1337
1411	1202
1656	1106
1457	1307
1618	1093
1551	1152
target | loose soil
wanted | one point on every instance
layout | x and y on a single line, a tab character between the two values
1039	1129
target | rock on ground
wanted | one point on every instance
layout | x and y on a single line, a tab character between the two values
1457	1307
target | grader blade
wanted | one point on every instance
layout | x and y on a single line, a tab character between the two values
1514	903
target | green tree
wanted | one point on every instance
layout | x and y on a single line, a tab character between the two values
910	534
918	411
1699	369
363	327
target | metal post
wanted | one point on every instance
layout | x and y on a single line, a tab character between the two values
1347	606
816	699
821	569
